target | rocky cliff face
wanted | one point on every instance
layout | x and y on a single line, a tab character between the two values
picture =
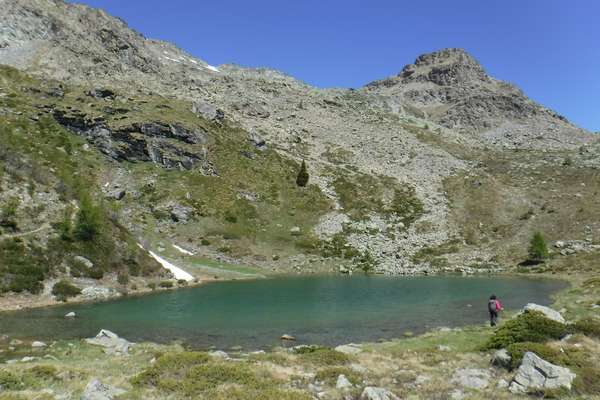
440	121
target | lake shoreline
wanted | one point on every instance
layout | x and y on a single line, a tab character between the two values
14	302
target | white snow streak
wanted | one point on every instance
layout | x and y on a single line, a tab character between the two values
182	250
177	272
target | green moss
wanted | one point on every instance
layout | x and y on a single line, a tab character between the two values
527	327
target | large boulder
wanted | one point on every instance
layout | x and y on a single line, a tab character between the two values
207	111
471	378
376	393
547	311
96	390
111	342
534	374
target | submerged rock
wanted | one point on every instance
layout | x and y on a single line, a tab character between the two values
547	311
535	373
70	315
287	337
111	342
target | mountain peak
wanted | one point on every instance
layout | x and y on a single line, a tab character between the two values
445	67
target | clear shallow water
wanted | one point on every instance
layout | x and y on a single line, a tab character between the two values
325	310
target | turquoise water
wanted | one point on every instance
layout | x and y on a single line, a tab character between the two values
325	310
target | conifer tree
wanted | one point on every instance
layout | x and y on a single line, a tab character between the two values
302	178
538	249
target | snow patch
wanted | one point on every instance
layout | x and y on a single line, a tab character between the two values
175	270
182	250
172	59
210	67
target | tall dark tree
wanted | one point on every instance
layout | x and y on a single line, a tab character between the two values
302	178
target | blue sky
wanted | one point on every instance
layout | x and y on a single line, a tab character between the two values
550	48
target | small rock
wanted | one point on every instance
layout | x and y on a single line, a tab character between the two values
349	348
502	384
82	260
287	337
457	394
343	382
442	347
96	390
376	393
38	344
219	354
502	359
295	231
70	314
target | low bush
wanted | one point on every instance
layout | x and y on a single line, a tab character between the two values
587	380
526	327
324	356
587	326
123	278
329	375
166	284
64	289
10	381
151	285
196	375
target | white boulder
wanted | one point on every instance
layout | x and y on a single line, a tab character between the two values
535	373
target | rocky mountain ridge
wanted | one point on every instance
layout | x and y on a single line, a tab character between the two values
440	122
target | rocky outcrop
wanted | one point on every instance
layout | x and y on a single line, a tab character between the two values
547	311
162	144
535	373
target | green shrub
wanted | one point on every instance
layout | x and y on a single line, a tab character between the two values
65	226
518	350
168	364
123	278
587	326
324	356
527	327
9	212
64	289
42	372
151	285
205	242
329	375
166	284
538	249
10	381
22	267
587	380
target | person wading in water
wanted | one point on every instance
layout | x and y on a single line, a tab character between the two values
494	307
